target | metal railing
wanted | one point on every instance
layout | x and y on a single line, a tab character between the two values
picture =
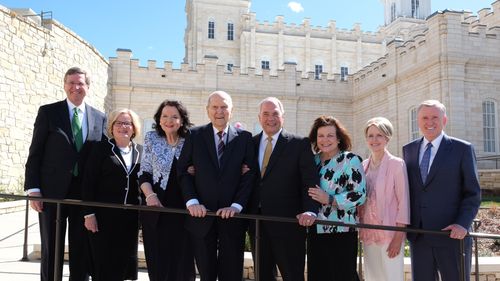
257	218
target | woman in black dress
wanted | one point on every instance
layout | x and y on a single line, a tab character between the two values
111	177
169	256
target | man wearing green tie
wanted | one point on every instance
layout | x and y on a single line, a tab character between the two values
62	136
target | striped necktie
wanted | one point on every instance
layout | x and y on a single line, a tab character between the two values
220	145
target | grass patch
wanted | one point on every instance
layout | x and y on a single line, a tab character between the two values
490	201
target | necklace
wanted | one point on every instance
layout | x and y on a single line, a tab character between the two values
175	143
125	151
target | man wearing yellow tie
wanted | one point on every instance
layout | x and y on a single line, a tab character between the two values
287	170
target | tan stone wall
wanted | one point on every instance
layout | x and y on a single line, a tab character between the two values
33	60
490	181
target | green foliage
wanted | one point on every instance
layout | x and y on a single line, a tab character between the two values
490	201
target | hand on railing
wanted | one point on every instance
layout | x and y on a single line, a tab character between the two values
197	210
306	219
36	205
227	212
457	231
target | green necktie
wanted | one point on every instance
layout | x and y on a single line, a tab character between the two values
76	127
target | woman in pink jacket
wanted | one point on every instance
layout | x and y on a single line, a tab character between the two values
387	203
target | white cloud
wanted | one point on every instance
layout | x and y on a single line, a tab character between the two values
295	7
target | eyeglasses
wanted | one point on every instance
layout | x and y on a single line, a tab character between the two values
120	123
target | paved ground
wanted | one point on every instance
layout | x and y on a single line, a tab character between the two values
11	248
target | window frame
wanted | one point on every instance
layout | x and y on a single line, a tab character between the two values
230	31
211	29
489	115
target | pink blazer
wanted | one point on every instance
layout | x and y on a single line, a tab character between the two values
394	205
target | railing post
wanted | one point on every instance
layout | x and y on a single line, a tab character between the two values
257	250
57	257
476	224
25	244
462	259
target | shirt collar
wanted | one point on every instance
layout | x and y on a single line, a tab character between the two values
71	106
436	142
217	131
274	137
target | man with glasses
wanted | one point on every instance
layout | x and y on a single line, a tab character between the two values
62	136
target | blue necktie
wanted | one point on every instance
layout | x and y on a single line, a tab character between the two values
424	164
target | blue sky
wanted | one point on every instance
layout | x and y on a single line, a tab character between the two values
154	29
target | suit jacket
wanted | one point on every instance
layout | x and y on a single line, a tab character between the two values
282	191
52	154
451	193
392	200
215	187
106	178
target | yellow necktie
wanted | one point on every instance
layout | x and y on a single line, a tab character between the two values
267	155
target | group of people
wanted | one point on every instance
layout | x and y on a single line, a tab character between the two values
78	153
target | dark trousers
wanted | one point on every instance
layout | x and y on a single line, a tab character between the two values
79	251
287	251
219	254
167	246
332	256
427	260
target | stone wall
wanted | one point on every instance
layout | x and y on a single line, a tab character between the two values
490	181
33	59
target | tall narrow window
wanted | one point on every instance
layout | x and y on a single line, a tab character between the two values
230	31
230	67
264	64
415	8
489	126
393	12
344	71
414	131
211	29
318	69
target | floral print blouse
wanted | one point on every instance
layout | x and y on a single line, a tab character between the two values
157	158
343	177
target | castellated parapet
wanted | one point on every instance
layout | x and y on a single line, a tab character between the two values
279	26
304	97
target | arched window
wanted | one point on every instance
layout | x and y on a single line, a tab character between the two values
489	126
211	29
318	69
414	131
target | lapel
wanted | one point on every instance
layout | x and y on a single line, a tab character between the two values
63	112
415	152
208	135
92	132
439	159
281	143
117	153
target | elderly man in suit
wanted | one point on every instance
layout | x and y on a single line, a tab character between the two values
218	151
287	171
444	195
62	137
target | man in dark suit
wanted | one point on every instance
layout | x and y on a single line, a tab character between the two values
63	134
444	195
218	151
287	171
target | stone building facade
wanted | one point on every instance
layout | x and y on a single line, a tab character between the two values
450	56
